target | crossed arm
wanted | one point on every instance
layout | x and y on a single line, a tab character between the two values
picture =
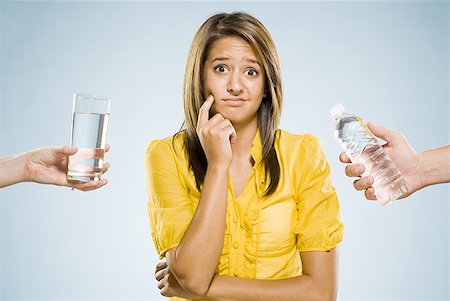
318	282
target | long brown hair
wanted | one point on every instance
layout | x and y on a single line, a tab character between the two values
249	29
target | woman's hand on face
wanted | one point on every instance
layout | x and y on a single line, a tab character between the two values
168	285
216	135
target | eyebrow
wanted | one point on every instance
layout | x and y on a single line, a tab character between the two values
249	60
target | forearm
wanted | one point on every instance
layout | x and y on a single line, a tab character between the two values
196	258
434	166
12	169
302	287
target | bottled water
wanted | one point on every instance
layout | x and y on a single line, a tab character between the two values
361	146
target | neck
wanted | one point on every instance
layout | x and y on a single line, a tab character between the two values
244	139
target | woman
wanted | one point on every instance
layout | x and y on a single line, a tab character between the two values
239	209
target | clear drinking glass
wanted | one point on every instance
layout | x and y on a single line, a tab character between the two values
90	118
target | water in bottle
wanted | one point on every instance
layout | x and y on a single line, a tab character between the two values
361	146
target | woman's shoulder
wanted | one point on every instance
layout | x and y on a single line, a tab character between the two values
290	141
169	144
301	148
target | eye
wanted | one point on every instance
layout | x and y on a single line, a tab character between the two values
220	68
251	72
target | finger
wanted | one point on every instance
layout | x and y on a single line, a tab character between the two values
370	194
387	135
66	150
224	124
160	274
107	148
233	136
362	184
354	170
210	125
161	284
215	120
161	265
164	291
91	185
163	281
105	167
203	114
344	158
230	131
224	130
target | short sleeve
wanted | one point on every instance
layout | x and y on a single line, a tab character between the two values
319	226
169	206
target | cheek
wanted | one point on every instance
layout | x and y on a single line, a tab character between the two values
256	88
214	86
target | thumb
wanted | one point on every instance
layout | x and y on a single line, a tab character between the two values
66	150
382	132
233	137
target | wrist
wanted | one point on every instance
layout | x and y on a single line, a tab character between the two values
434	166
210	294
420	173
218	168
12	170
28	172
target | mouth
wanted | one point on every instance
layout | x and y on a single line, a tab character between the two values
235	101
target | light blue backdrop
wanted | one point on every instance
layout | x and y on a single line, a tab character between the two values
387	61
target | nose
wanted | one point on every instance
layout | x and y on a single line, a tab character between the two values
235	86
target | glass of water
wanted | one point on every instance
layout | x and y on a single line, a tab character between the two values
90	118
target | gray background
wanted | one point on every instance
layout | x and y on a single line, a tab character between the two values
387	61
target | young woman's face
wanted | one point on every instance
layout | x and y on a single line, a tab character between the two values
235	77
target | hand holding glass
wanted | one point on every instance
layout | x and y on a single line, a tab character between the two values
90	118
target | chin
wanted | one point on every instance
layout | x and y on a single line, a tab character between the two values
227	113
238	119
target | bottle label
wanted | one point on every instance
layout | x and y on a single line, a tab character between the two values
364	125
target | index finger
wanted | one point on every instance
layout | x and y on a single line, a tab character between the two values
203	114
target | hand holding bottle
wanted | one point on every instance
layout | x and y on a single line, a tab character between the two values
399	151
361	146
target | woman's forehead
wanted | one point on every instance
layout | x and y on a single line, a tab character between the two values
232	48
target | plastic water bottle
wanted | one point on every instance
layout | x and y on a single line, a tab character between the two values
361	146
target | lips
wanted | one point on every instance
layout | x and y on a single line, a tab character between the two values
234	100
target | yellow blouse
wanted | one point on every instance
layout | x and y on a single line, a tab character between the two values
263	235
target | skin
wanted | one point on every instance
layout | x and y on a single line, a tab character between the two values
227	124
44	166
419	170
